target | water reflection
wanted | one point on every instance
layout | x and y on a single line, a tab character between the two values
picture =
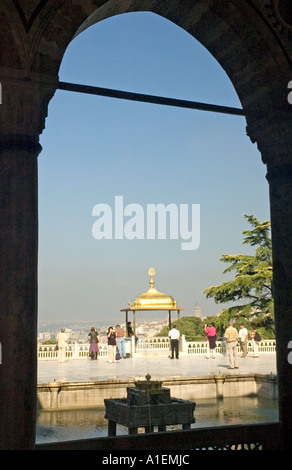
65	425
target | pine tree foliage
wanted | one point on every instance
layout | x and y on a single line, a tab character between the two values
251	287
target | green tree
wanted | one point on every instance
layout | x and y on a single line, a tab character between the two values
251	287
190	326
50	341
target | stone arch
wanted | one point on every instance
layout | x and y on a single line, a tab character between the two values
236	33
251	40
248	40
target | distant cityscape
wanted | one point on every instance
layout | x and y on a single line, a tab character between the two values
77	331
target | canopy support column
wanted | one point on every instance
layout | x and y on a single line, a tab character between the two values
169	319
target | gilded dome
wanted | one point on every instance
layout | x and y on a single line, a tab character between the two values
153	299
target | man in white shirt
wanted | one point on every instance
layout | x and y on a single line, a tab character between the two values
243	337
174	336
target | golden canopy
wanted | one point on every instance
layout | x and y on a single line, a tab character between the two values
152	299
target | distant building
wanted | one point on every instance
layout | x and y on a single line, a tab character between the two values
197	311
44	336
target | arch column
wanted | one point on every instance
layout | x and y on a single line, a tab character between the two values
280	187
23	104
274	140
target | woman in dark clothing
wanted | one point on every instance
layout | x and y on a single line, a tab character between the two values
112	344
93	350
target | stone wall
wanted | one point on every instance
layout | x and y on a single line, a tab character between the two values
70	395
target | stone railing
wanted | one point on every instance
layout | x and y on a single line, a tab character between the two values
160	343
200	348
157	345
74	351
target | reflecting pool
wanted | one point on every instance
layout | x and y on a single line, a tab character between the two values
65	425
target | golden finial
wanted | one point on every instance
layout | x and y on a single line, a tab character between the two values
151	273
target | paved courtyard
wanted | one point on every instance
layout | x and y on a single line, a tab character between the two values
158	367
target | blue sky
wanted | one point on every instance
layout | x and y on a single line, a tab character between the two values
96	148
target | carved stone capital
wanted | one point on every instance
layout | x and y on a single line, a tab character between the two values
273	136
16	143
23	108
280	174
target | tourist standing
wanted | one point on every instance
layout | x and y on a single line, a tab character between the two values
255	339
93	349
62	345
130	331
174	336
231	335
111	344
243	338
211	339
120	332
